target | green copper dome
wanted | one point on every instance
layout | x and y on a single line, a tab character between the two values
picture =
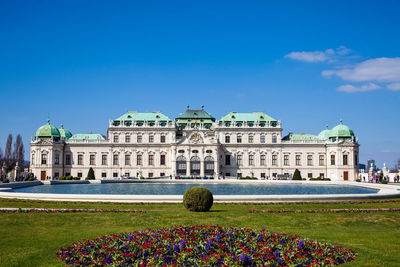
341	130
324	135
47	131
65	134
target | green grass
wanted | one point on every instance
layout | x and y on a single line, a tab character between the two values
32	239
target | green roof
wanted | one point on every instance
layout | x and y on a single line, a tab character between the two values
193	114
65	134
89	136
324	135
300	137
254	116
341	130
142	116
47	131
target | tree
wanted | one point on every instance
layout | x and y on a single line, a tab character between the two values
18	153
90	175
296	175
7	153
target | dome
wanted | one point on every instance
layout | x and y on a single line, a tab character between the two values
341	130
48	131
64	134
324	135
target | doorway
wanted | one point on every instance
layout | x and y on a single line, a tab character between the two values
346	176
43	175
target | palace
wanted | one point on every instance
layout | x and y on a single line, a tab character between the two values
195	144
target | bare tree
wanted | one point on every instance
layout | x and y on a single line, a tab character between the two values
21	155
1	158
8	155
17	144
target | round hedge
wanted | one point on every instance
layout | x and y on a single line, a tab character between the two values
198	199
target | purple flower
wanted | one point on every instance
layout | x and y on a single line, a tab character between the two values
176	248
183	244
280	260
217	237
277	254
301	244
130	237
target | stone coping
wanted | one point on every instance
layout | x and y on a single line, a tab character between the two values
385	191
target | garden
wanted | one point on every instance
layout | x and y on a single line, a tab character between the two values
43	233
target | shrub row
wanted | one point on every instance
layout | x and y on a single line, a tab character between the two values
248	178
69	177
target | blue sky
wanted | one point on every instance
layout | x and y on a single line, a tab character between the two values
307	63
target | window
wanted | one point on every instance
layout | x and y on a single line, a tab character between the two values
262	139
115	174
56	159
150	174
309	160
68	159
274	139
151	139
33	158
162	159
274	160
298	160
151	160
103	159
239	160
251	139
127	159
127	174
356	160
321	160
228	174
44	158
139	160
116	138
239	139
56	174
332	159
227	139
262	160
79	174
309	175
67	174
227	160
345	160
127	138
263	175
162	138
239	174
80	159
286	160
251	160
92	159
162	174
103	175
115	159
139	139
321	175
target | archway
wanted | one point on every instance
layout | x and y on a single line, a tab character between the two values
195	166
181	166
209	166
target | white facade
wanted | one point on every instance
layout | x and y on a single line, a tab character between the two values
193	147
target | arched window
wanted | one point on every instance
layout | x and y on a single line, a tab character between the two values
181	165
195	166
209	166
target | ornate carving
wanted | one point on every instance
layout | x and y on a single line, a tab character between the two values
196	139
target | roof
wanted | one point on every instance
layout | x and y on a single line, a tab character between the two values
89	136
324	135
64	133
341	130
47	130
143	116
300	137
195	114
254	116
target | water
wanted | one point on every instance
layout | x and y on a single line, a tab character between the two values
180	189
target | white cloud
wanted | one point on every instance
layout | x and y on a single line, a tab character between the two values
394	86
378	69
319	56
316	56
348	88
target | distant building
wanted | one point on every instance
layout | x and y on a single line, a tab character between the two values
195	144
362	167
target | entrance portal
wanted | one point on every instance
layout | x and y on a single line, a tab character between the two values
43	175
181	166
209	166
346	176
195	166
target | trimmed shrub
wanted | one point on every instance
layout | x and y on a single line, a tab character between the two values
76	178
90	175
297	175
384	181
358	180
198	199
5	180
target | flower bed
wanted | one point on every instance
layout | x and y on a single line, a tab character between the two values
328	210
204	246
51	210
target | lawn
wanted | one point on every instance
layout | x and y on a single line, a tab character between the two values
32	239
